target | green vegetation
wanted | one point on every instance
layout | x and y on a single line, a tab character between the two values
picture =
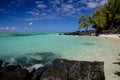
84	22
105	18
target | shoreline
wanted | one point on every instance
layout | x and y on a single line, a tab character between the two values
110	36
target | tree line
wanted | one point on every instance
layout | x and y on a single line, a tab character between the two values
104	18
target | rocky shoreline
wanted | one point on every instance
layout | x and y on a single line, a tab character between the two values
81	33
60	69
106	34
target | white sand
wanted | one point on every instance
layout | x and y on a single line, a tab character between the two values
109	66
111	36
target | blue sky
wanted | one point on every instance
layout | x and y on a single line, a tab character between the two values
44	15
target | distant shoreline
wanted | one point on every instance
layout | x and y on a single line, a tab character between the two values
92	33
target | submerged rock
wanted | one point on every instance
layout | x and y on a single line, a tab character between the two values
74	70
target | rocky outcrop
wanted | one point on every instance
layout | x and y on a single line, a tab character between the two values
60	69
1	62
12	73
90	33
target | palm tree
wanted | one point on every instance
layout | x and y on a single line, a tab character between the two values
80	20
84	22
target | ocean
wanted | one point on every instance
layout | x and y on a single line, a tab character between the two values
18	48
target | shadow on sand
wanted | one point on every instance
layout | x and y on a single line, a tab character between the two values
117	72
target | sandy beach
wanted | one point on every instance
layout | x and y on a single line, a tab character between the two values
109	66
110	36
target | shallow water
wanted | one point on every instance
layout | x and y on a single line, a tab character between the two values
46	47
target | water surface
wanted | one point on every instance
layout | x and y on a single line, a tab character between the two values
20	47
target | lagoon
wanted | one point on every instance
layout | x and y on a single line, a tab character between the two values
18	48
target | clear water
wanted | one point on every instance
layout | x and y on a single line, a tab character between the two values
50	46
20	47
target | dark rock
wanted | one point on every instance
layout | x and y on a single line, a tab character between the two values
29	75
109	31
60	69
33	62
117	63
74	70
1	62
5	63
38	73
60	34
89	32
117	73
12	73
13	68
72	33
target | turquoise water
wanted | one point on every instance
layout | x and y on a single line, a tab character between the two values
48	46
20	48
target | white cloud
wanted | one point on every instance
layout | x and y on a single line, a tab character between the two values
58	9
67	7
55	2
30	23
70	1
1	28
7	28
37	2
25	28
33	13
96	4
41	6
49	17
13	28
92	5
90	0
82	1
43	14
68	10
55	9
103	2
30	19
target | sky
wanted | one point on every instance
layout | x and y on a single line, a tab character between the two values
44	15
